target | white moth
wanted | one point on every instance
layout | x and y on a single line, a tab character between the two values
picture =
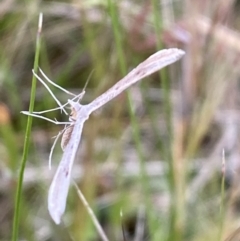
58	191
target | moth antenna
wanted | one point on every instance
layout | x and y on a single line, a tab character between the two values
88	79
85	86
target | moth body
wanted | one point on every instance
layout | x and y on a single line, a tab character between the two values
68	132
58	191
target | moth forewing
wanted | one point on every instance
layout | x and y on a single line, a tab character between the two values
152	64
58	191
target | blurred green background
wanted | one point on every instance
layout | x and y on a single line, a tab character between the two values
165	153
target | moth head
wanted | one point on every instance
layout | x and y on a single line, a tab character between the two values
74	105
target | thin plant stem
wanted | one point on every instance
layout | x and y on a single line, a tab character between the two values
136	132
17	206
222	206
174	233
91	213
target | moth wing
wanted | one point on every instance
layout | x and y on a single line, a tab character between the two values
57	195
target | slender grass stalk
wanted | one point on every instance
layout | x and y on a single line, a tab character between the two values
222	206
136	132
83	230
123	69
17	207
91	213
174	231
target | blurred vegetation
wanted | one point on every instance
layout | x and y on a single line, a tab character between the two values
165	153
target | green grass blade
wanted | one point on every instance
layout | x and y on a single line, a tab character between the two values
143	179
174	231
27	139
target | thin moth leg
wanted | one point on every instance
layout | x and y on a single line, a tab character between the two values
53	146
51	93
45	118
58	108
54	84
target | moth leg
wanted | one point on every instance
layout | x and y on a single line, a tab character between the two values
45	118
53	146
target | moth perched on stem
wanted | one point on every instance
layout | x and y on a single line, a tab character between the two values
58	191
